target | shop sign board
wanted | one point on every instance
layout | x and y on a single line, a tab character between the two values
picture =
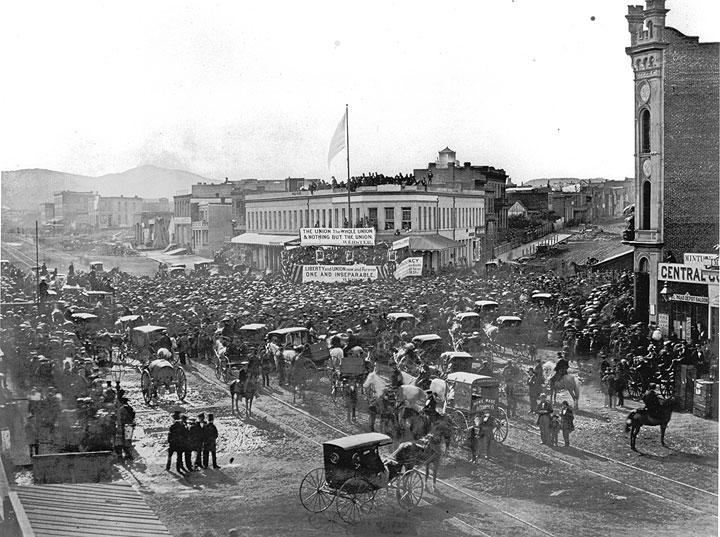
664	324
410	266
687	297
338	273
677	272
363	236
703	261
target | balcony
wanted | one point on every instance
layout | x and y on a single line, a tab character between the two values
647	237
200	225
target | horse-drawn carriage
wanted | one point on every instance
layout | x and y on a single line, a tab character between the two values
303	358
485	306
160	376
428	348
350	374
455	362
470	394
235	358
144	341
352	474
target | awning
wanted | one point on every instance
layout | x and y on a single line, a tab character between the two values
432	243
264	240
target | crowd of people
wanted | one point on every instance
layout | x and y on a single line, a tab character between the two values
44	345
369	179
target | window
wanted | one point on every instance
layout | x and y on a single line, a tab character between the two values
646	200
389	217
645	131
373	217
337	219
406	218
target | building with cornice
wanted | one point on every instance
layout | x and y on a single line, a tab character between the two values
677	175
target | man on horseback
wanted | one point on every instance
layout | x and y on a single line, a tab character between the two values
652	402
561	368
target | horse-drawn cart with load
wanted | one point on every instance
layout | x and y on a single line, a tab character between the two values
161	376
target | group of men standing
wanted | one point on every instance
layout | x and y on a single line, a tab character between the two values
192	436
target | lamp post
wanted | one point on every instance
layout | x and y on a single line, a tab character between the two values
117	371
665	293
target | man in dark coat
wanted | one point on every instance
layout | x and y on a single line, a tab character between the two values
194	444
176	441
210	434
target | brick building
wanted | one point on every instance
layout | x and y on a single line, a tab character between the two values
677	125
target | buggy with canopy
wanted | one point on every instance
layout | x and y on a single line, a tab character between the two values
352	473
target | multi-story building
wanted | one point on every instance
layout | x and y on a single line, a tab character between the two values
47	213
107	212
447	172
452	222
71	208
677	175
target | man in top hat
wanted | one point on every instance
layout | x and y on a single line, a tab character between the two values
544	412
176	441
210	435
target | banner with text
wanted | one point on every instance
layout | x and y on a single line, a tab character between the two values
338	273
361	236
410	266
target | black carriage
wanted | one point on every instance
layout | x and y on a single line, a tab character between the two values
428	348
353	472
352	371
144	341
456	362
470	394
485	306
304	358
245	346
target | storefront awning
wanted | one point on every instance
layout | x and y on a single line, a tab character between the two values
261	239
432	243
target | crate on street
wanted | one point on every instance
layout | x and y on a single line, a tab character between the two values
705	401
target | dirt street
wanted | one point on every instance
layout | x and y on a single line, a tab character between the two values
597	487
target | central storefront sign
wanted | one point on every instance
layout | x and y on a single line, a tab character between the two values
338	273
337	236
676	272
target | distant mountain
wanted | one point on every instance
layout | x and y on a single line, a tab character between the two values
26	189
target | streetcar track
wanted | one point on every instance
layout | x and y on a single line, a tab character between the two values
623	483
216	382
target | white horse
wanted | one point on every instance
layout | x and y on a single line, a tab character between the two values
407	393
568	382
438	387
491	331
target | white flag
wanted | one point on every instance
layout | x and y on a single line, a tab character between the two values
337	143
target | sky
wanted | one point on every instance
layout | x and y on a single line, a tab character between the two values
256	89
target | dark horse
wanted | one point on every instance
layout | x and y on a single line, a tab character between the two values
246	387
420	424
638	418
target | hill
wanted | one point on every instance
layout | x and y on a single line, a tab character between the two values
26	189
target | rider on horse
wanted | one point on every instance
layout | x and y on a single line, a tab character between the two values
561	368
652	402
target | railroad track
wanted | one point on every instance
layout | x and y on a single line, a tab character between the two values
519	526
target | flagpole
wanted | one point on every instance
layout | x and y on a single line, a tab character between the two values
347	150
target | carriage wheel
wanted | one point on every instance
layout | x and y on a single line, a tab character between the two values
310	372
459	427
180	383
225	371
666	389
634	385
313	495
501	425
355	499
410	489
335	388
146	386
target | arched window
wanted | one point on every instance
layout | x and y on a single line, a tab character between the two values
646	206
645	131
644	265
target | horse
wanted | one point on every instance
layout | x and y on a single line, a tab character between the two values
567	382
437	386
246	387
420	424
428	451
637	418
377	391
